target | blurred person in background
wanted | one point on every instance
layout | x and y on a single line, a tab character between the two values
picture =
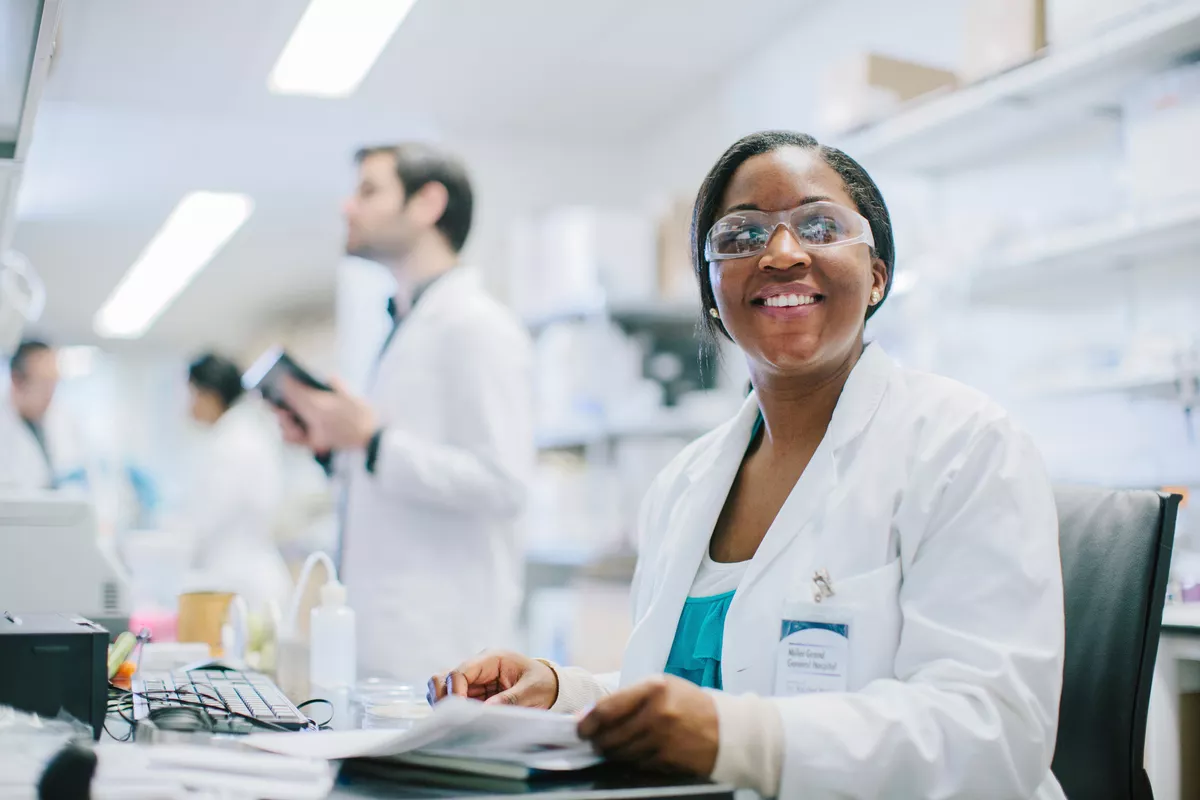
234	497
436	458
40	447
853	587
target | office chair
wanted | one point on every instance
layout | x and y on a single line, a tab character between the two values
1116	554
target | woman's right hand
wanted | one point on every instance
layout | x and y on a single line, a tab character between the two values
499	677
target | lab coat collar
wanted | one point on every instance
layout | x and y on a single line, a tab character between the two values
710	476
396	314
810	496
443	289
860	398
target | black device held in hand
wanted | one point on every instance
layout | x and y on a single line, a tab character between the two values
266	376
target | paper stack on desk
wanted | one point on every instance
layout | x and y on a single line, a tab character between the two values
457	733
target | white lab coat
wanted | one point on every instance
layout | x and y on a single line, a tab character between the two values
935	519
430	552
23	466
233	505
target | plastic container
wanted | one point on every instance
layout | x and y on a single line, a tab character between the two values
398	708
332	662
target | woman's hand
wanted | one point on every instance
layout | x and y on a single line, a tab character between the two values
499	677
661	723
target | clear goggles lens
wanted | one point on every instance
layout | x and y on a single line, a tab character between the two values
820	224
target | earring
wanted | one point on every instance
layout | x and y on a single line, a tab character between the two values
875	297
712	312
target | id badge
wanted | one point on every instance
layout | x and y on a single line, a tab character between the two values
813	653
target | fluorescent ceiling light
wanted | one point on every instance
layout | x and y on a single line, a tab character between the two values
196	230
335	45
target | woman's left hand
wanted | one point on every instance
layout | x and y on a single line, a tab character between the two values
661	723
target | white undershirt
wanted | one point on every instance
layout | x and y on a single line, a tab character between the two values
715	578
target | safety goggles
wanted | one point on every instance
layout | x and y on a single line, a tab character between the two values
819	224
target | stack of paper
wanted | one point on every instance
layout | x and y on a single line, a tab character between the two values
184	771
460	734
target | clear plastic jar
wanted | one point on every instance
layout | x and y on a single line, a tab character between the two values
384	704
397	710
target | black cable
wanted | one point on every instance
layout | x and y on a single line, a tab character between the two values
173	698
128	734
332	711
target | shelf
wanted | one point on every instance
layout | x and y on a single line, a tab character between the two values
1127	240
601	562
1165	386
1182	615
960	128
645	314
667	426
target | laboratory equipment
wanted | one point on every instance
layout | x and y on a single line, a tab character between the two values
53	662
55	562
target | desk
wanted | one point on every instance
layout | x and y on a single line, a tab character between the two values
1176	671
604	783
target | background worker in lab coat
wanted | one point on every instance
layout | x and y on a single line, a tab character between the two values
897	520
40	448
237	487
437	456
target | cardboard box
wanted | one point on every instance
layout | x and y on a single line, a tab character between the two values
1069	21
1002	34
1161	119
676	277
869	86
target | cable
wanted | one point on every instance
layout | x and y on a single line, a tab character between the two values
173	698
123	739
332	711
293	610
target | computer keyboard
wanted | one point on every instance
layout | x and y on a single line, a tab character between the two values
221	691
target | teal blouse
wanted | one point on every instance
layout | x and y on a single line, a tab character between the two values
696	651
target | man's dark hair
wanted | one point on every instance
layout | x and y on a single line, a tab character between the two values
19	363
859	186
217	374
418	164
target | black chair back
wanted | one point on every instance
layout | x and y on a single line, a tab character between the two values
1116	555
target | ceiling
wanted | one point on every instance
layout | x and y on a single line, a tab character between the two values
149	100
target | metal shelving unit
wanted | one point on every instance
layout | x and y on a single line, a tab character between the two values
1128	240
984	120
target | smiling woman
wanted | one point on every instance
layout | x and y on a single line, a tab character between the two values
852	588
725	188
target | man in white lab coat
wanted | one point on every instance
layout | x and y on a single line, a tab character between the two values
39	447
437	457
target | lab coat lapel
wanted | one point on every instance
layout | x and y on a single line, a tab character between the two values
798	532
690	529
434	306
810	497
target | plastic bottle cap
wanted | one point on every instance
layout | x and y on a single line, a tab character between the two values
333	594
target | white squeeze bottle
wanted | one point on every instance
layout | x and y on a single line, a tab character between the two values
331	654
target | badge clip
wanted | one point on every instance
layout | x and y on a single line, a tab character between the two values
822	585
